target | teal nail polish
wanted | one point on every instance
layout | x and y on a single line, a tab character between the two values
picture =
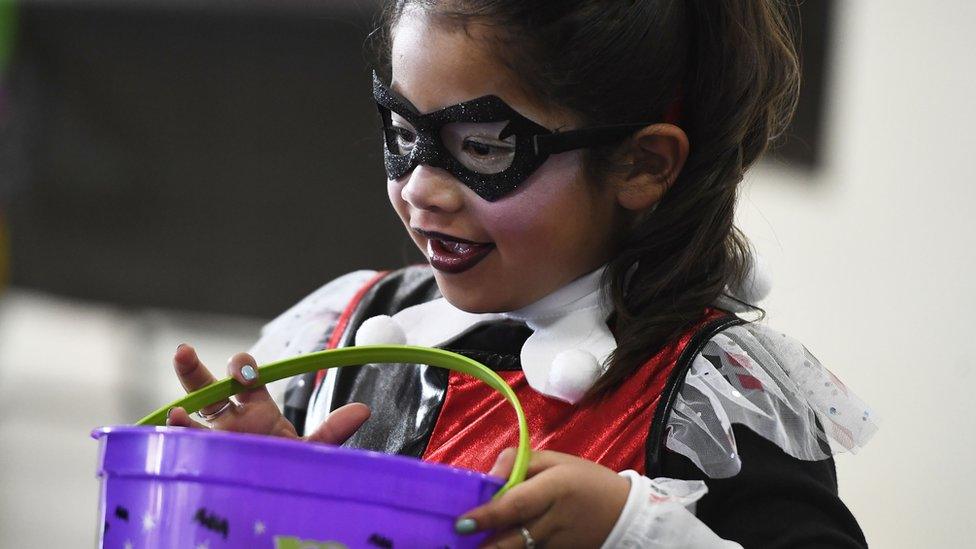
465	526
249	373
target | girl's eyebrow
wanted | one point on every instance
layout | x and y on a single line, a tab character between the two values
416	111
392	89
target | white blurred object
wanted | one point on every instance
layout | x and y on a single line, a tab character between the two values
756	284
572	374
380	330
66	367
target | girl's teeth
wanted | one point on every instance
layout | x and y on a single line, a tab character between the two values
450	246
458	247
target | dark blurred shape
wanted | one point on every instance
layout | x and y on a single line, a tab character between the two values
223	160
802	144
216	155
8	26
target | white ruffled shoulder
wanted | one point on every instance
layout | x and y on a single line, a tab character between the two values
306	326
757	377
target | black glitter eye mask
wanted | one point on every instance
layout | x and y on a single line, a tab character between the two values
483	142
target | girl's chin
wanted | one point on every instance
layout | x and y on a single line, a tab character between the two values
470	298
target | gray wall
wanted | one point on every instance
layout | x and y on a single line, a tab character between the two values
214	159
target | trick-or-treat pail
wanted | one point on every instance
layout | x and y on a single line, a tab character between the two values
169	487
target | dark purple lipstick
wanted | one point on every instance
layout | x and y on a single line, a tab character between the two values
450	254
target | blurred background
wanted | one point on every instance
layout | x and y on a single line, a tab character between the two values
182	171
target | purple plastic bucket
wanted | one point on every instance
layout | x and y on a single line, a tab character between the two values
183	488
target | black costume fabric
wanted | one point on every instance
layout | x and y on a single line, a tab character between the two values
775	501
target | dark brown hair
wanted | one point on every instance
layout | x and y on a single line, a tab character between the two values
733	66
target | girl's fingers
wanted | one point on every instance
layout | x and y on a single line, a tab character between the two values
540	531
178	417
545	459
192	373
340	424
244	369
504	463
519	506
539	461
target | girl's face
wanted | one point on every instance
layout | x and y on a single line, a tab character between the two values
551	230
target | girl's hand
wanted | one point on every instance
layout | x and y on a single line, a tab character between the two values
255	411
566	501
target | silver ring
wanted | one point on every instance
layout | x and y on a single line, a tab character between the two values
210	417
527	538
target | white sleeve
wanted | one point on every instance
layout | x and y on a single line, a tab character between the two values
306	326
659	513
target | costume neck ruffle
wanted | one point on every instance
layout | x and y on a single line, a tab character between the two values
563	357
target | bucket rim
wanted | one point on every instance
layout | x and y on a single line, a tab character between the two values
309	447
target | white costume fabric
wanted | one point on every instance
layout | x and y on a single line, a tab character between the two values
659	513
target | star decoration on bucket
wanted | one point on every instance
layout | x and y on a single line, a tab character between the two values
148	523
127	545
258	528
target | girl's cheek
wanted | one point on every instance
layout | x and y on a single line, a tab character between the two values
505	218
393	192
537	202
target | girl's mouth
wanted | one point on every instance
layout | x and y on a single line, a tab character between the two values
454	255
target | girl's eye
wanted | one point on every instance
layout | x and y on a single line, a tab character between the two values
404	139
478	147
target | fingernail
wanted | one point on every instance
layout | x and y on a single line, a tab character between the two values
249	373
169	413
180	346
465	526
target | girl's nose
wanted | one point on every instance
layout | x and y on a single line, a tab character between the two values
432	189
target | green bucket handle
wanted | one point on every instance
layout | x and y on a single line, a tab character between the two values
354	356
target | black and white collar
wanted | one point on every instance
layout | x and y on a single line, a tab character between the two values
565	355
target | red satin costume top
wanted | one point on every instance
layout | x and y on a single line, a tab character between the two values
476	422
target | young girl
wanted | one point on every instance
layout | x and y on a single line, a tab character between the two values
569	169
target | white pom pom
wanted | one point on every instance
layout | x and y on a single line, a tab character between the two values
380	330
757	282
573	372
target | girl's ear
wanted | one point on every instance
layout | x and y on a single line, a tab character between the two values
658	152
